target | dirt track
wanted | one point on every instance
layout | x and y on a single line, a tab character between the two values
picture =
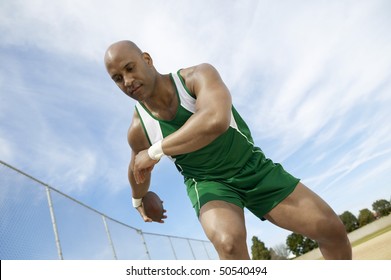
378	248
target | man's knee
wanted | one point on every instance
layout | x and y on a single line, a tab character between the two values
229	244
223	223
335	243
332	230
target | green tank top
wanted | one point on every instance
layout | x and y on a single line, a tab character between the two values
221	159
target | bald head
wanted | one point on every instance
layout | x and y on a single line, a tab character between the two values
120	47
123	53
130	68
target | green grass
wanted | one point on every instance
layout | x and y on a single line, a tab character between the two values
370	236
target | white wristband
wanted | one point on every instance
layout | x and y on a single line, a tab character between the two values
155	152
136	202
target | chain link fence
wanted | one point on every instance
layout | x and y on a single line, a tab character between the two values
40	222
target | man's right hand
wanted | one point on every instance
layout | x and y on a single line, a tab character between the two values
146	219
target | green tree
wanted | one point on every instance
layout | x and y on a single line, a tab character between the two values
259	251
349	220
299	244
365	217
382	207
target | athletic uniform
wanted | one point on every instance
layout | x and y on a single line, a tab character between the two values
230	168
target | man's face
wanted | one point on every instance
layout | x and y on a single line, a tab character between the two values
131	70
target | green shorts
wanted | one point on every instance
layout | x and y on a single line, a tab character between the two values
259	186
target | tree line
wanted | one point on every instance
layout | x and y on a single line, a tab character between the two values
298	244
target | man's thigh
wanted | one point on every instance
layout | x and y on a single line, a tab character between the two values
221	219
203	192
303	212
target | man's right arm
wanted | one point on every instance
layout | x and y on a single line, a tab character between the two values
138	142
138	189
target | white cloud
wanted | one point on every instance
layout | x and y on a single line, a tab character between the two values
6	150
339	65
73	167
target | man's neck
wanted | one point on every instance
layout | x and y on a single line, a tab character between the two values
163	102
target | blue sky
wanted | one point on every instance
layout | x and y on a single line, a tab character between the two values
311	78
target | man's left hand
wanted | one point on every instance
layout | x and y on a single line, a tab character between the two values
143	165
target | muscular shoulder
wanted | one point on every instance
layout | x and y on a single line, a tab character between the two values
197	76
136	136
193	71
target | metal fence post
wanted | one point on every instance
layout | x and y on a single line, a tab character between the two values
55	230
203	243
109	237
145	244
191	248
172	247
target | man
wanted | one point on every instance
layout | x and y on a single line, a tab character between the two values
188	116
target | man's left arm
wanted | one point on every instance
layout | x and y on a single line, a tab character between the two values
211	118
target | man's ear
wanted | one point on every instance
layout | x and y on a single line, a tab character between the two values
147	58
